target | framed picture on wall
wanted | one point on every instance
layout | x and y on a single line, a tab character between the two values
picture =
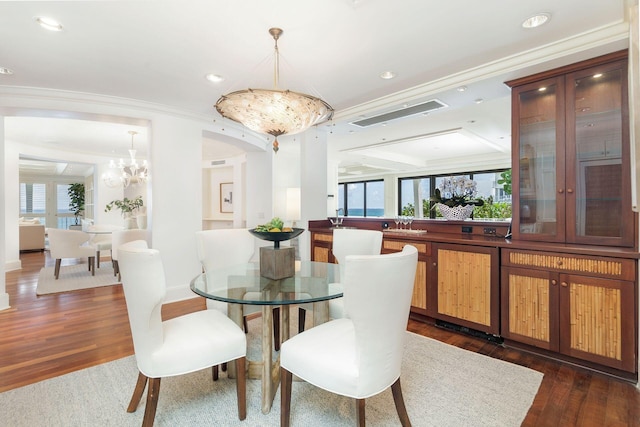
226	197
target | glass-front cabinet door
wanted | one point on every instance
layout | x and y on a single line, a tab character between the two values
571	155
598	173
538	123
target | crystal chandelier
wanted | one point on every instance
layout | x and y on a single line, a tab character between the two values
123	174
275	112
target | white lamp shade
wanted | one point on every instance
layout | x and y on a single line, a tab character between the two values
293	204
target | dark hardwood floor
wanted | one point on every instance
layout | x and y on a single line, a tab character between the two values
46	336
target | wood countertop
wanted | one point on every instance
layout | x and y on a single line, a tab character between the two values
473	238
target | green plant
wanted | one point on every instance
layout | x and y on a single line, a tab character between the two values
491	209
505	180
125	205
76	199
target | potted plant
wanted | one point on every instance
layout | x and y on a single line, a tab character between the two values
127	208
76	199
455	197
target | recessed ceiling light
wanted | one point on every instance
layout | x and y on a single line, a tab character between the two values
48	23
479	101
536	20
461	88
6	71
214	78
387	75
542	89
597	76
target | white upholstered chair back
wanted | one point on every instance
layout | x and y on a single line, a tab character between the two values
69	244
120	237
217	248
377	297
351	242
348	241
144	290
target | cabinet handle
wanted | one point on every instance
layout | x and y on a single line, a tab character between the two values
435	263
559	263
569	190
563	284
560	190
554	282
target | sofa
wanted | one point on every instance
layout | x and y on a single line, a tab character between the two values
32	235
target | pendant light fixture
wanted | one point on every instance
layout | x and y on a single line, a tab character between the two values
274	111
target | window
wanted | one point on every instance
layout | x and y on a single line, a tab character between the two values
365	198
36	202
33	199
414	194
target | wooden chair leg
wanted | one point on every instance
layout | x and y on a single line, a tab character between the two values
245	325
116	268
276	328
92	265
224	367
285	397
152	402
302	314
396	390
214	372
360	415
137	392
241	386
97	259
56	270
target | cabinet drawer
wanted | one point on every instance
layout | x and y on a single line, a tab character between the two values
320	237
618	268
397	245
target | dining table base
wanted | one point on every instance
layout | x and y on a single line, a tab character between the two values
268	369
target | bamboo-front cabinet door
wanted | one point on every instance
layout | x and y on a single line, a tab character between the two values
419	297
579	306
464	286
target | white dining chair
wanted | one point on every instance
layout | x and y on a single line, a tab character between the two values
360	355
234	246
101	239
346	241
178	346
120	237
70	244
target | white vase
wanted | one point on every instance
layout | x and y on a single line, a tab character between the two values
130	222
456	213
142	222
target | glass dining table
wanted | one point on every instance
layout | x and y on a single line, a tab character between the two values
313	282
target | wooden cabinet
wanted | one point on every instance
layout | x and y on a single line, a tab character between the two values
571	154
419	298
579	306
464	288
321	247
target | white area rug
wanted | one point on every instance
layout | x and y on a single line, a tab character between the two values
73	277
442	386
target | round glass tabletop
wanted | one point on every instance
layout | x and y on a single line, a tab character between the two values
242	284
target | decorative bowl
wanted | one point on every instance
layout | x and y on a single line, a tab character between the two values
456	213
277	236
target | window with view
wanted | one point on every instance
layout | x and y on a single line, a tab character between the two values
363	198
414	194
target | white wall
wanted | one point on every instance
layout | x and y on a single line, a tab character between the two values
4	297
11	208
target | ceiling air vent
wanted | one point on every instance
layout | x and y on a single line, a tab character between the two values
425	107
218	162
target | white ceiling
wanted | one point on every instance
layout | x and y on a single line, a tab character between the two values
160	52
